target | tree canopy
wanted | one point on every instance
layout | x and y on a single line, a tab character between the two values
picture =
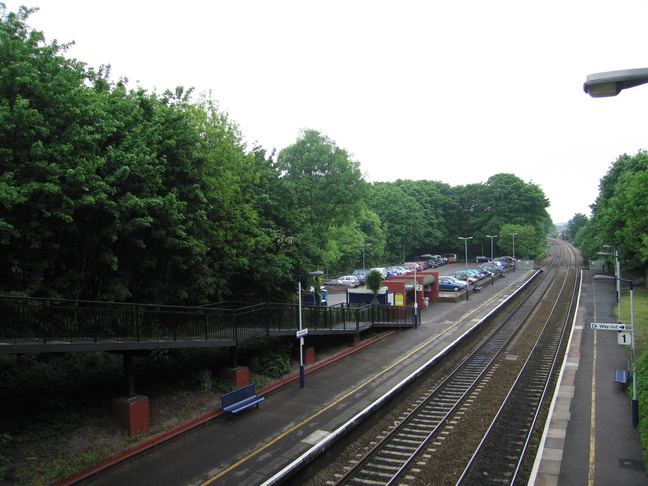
619	214
112	192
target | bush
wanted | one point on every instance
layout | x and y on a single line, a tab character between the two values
270	357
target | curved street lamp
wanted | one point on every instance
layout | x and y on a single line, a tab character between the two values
611	83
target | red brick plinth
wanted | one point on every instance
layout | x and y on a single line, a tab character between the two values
132	414
309	356
240	375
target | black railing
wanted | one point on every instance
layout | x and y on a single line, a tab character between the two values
24	319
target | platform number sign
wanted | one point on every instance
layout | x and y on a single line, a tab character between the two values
624	338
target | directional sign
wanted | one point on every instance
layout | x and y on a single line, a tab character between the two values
302	333
603	326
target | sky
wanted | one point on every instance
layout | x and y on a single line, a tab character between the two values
448	91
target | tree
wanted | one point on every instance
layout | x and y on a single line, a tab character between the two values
402	217
576	223
114	194
527	243
329	193
374	282
619	213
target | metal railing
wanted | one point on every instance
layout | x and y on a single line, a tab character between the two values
24	319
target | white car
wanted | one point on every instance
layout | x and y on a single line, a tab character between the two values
348	280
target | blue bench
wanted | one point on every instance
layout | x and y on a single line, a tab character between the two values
240	399
622	376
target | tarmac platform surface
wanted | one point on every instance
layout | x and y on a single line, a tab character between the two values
589	440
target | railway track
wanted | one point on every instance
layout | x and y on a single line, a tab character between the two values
476	426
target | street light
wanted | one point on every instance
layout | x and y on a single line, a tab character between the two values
513	235
635	400
466	238
491	237
302	380
601	85
363	254
617	273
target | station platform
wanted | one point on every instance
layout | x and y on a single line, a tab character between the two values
590	438
254	447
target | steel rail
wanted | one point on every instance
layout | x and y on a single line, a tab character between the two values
510	432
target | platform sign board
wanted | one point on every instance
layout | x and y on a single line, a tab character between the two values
624	338
302	333
399	299
604	326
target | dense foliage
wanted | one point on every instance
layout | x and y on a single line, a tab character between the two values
115	193
619	216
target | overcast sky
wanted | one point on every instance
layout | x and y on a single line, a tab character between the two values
448	91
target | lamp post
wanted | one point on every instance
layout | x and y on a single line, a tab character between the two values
415	301
513	235
491	238
466	238
617	270
363	254
617	273
635	400
302	380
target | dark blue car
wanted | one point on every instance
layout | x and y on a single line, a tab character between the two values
449	284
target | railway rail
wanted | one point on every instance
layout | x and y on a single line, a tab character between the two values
476	426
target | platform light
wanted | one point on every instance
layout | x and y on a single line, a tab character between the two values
491	238
466	238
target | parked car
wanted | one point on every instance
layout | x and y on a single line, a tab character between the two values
508	259
482	259
361	274
396	270
479	272
347	280
450	257
414	266
382	270
451	284
491	268
466	275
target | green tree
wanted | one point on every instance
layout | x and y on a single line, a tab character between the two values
328	191
619	212
374	282
527	243
402	217
575	224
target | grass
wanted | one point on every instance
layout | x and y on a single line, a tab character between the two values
640	299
